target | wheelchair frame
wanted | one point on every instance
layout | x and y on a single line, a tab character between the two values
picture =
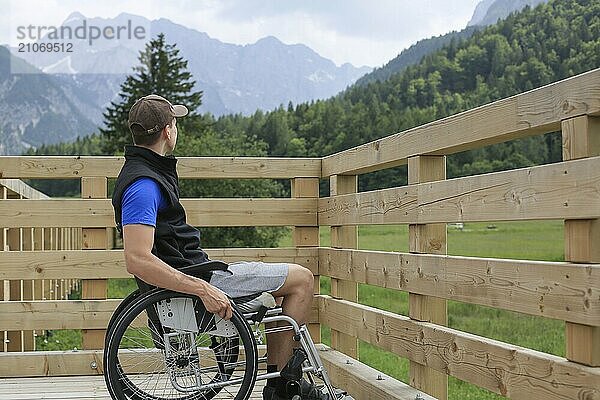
312	366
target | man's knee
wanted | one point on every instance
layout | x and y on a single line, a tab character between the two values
303	277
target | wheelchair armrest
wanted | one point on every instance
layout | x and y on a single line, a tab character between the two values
198	270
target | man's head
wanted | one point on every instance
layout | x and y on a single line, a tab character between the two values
152	119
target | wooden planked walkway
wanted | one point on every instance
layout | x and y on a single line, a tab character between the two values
67	388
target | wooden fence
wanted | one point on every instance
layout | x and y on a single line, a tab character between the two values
567	291
25	240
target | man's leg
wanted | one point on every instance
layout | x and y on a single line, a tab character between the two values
297	294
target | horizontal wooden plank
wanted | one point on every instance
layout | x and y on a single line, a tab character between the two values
98	213
56	167
55	388
364	382
71	388
537	111
104	264
566	190
564	291
69	314
63	264
512	371
251	212
51	363
56	314
18	187
57	364
27	364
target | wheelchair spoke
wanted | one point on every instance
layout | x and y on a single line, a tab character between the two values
151	359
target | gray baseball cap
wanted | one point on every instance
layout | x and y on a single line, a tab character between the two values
150	114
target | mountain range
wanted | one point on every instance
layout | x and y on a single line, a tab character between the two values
67	93
487	12
63	97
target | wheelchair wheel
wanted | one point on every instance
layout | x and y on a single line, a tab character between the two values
166	346
122	306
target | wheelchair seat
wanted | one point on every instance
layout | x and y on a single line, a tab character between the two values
254	302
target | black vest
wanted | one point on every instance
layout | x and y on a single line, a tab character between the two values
175	242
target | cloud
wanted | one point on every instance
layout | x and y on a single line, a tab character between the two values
358	31
383	19
362	32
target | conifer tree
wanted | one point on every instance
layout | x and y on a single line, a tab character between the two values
162	71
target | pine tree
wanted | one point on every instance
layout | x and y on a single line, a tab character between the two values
161	71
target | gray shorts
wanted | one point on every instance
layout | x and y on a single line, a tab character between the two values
244	278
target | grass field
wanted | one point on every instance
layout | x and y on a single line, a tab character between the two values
518	240
540	240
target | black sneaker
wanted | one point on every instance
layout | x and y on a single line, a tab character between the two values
308	391
270	393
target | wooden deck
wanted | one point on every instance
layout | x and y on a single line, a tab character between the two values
360	380
67	388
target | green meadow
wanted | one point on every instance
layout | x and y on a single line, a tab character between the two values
540	240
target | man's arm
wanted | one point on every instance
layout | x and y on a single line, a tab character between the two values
138	240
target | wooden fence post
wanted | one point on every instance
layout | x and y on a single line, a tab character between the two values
345	237
3	284
580	139
427	238
308	236
94	239
14	339
48	245
27	245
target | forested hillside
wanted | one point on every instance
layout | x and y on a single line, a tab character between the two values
527	50
414	54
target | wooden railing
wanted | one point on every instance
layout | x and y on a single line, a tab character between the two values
24	240
567	291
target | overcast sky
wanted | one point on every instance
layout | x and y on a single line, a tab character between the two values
362	32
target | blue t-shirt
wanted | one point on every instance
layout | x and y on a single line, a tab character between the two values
141	202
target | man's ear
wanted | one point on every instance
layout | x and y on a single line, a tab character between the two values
167	131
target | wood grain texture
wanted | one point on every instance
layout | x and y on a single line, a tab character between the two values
98	213
582	343
512	371
74	314
364	382
50	363
3	290
57	167
566	190
581	240
581	138
92	239
105	264
344	237
534	112
71	388
57	366
308	236
563	291
427	238
14	339
19	187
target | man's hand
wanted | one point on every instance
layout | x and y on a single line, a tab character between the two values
138	241
216	301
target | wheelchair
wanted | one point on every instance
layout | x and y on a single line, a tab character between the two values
164	345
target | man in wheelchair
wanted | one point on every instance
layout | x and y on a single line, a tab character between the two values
158	243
